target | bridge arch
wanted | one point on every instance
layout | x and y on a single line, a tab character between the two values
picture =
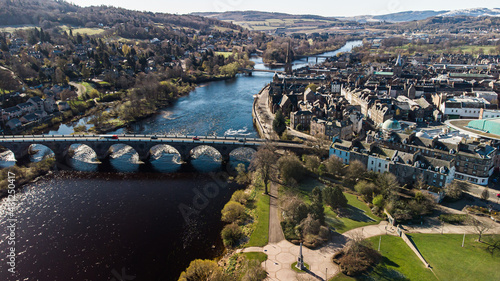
38	152
7	157
242	153
124	157
206	150
160	149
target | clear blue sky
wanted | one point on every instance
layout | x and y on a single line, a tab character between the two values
317	7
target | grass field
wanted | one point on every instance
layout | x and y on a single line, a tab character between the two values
225	54
444	253
452	262
261	257
83	30
398	262
357	214
260	235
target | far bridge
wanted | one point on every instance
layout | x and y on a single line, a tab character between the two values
249	71
142	144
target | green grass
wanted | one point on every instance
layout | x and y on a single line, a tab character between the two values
298	270
88	87
261	257
452	262
444	253
260	235
359	215
398	261
225	54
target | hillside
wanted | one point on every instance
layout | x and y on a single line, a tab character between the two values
281	22
407	16
50	13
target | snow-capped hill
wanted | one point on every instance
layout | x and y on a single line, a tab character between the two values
475	12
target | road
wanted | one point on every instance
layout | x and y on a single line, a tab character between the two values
275	232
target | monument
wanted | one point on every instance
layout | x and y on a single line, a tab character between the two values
300	260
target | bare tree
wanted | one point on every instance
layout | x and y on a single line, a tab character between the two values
479	227
485	195
263	161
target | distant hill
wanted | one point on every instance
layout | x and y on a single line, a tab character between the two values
281	22
264	20
422	15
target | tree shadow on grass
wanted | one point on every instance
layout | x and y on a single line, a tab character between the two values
382	273
355	214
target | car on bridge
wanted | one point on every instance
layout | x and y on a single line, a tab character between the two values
113	137
196	138
154	137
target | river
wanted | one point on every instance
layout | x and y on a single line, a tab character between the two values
99	225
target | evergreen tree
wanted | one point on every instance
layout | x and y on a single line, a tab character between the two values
334	197
279	124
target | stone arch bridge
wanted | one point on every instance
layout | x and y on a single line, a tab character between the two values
142	144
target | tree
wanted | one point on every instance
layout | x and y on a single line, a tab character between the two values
291	169
479	227
366	189
232	212
231	234
378	201
334	197
334	166
254	271
279	123
263	161
201	270
317	209
294	208
354	171
313	87
309	225
240	196
312	163
455	189
388	183
485	195
7	81
243	176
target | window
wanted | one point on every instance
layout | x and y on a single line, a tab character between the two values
379	165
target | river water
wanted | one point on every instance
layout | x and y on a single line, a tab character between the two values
148	225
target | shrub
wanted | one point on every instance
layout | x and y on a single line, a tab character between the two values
240	196
378	201
357	257
232	212
453	218
231	234
201	270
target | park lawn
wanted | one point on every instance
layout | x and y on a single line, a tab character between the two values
398	262
261	257
260	235
225	54
358	213
452	262
88	87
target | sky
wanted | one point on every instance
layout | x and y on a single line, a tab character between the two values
316	7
